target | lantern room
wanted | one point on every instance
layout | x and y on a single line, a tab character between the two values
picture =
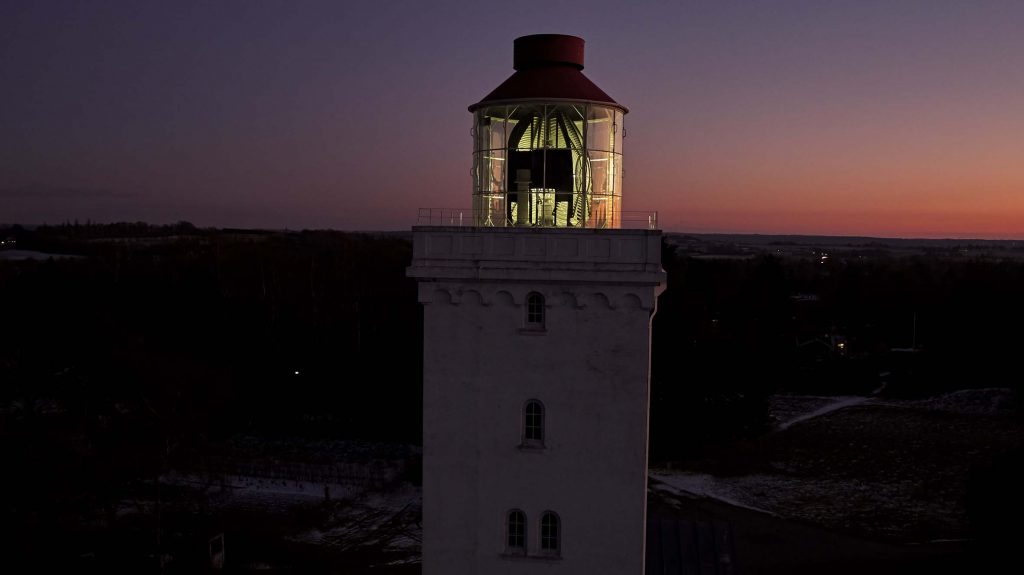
547	143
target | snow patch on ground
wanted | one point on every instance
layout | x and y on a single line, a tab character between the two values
883	468
835	404
387	521
834	503
703	485
994	401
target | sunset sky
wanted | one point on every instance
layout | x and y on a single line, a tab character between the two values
885	118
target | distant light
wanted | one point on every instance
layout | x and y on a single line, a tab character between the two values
296	372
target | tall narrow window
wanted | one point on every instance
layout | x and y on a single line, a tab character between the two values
535	311
550	533
533	423
515	542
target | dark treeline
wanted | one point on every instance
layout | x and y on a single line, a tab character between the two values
729	332
158	342
219	326
155	347
219	321
211	326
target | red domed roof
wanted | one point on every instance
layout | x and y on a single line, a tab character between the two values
547	68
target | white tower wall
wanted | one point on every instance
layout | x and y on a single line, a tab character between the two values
589	366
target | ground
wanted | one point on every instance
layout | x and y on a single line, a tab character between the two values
849	484
841	485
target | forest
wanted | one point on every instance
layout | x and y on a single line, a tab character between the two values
137	347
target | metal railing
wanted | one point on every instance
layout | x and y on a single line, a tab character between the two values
639	220
459	217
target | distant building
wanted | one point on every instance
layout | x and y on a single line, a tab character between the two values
537	309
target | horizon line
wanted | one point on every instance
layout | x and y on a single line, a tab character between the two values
409	230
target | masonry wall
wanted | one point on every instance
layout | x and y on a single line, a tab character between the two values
589	366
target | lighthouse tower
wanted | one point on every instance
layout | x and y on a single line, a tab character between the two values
537	309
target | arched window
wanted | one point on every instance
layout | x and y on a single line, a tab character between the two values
533	423
550	533
535	310
515	529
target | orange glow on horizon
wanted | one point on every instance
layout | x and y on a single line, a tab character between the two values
880	223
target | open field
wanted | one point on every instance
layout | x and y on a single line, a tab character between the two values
899	480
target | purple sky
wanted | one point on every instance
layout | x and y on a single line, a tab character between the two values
895	118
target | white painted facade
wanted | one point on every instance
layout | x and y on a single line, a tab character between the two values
588	364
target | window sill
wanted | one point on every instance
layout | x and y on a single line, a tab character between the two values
530	557
531	447
532	331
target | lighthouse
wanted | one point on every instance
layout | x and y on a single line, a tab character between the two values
537	307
